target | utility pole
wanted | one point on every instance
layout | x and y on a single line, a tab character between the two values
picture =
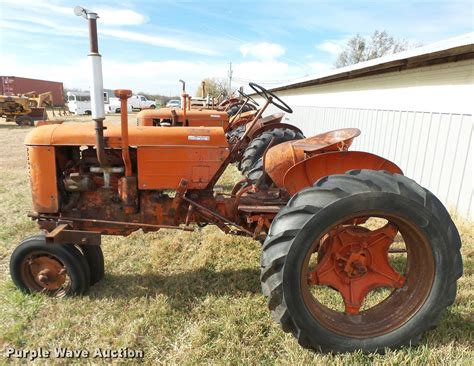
230	77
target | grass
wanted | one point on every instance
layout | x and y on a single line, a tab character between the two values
183	298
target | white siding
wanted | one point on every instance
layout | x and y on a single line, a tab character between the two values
420	119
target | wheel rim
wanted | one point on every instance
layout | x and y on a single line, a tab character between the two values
45	273
354	262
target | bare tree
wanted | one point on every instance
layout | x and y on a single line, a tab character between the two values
215	88
359	49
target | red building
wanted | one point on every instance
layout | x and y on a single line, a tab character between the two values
13	85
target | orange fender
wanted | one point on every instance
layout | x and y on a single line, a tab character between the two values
307	172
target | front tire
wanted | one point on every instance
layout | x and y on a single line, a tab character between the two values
53	269
328	217
95	260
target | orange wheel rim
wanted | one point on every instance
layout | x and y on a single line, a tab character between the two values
43	272
353	261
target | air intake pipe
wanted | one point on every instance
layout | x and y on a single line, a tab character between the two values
97	89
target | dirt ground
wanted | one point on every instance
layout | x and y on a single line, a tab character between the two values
191	298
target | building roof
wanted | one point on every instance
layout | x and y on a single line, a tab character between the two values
449	50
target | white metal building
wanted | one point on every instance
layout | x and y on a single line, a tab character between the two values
414	108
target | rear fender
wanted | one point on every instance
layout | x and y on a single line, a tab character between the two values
307	172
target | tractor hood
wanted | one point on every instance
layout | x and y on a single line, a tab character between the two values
83	134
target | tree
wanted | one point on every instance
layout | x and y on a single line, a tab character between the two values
214	87
359	49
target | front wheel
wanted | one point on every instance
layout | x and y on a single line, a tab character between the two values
363	260
52	269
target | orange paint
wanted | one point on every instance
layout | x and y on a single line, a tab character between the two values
42	170
194	117
307	172
280	158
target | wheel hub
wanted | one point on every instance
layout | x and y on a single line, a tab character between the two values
354	261
47	272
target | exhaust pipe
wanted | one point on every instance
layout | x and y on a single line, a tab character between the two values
184	101
97	89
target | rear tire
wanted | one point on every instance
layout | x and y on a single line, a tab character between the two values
332	200
258	145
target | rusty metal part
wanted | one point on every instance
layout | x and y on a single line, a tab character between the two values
77	182
100	143
307	172
216	215
355	262
62	235
43	272
282	157
128	193
123	95
93	40
110	222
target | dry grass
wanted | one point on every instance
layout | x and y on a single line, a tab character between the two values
182	297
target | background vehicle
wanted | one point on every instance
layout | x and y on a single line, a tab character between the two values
174	103
140	102
113	106
79	102
25	109
197	103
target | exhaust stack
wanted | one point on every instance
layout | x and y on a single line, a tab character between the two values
97	89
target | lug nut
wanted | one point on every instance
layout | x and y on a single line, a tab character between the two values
42	278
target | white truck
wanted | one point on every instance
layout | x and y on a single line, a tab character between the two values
114	106
79	102
140	102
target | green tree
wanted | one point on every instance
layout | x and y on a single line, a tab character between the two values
359	49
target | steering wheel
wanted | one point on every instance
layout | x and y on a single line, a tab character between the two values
248	97
270	97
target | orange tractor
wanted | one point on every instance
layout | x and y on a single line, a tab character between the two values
266	132
332	221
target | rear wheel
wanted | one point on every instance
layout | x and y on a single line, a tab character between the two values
56	270
362	260
258	145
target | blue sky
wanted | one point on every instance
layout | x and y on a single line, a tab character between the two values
149	45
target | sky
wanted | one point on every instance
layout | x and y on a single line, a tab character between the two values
147	46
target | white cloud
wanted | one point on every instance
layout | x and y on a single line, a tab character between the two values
160	41
332	47
319	67
182	43
111	16
156	76
263	51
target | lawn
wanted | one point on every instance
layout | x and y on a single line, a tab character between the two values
182	297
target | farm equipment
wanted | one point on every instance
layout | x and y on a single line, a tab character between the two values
335	224
25	109
266	132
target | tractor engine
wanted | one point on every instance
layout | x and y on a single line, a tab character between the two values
67	178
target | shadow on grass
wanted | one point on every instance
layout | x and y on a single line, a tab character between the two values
454	327
182	289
